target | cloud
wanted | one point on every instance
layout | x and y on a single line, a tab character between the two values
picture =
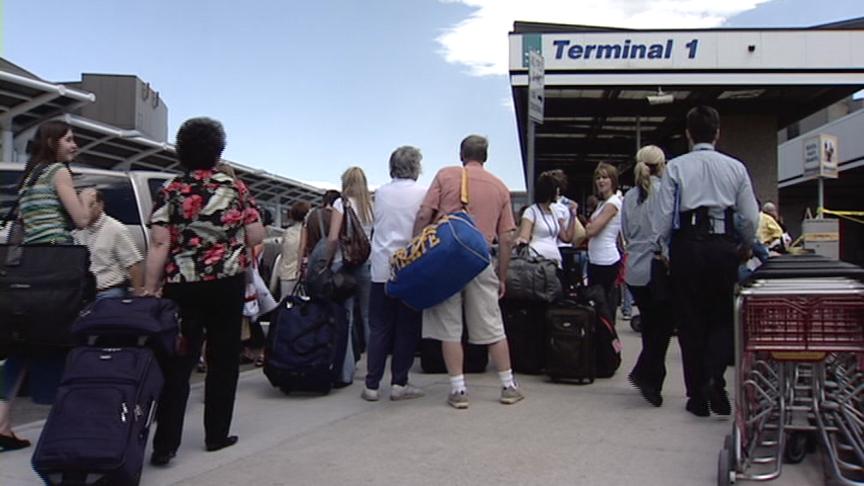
479	42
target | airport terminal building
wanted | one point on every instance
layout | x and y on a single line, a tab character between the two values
120	123
601	93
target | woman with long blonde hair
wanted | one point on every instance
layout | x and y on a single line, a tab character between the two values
650	370
356	197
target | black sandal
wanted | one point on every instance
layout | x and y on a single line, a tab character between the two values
12	443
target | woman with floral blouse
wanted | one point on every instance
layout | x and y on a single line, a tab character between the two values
202	224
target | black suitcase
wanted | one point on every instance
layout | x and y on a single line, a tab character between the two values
476	357
525	326
607	346
98	427
570	342
306	345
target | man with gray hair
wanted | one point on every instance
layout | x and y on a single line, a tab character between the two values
477	303
394	327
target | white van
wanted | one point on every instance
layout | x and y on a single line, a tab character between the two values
128	195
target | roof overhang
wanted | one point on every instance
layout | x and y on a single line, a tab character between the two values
109	147
598	82
26	102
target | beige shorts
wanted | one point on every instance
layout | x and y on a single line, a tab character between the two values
482	314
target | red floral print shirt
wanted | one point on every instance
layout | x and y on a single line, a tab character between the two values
206	212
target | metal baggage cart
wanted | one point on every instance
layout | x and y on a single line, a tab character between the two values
799	377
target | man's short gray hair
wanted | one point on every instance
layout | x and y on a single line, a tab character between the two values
769	207
405	163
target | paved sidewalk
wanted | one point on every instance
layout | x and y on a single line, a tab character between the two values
602	434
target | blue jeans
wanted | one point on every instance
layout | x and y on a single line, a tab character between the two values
362	274
626	301
113	292
43	372
395	328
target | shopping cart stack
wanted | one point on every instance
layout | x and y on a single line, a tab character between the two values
799	350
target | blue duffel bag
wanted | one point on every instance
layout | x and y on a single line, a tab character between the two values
439	262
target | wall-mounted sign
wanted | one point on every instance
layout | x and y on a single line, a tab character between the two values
690	50
820	156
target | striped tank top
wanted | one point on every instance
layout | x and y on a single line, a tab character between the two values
41	211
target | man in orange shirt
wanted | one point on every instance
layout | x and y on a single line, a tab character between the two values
489	205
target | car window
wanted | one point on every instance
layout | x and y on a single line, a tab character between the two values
155	184
8	183
120	202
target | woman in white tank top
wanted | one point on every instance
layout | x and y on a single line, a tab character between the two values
602	232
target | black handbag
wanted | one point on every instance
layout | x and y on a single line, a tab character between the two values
532	277
43	287
42	290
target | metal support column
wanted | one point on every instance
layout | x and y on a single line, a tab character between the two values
529	164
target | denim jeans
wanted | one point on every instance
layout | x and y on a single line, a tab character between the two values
363	276
113	292
626	301
395	329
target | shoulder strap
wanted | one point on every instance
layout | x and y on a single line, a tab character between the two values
320	222
463	196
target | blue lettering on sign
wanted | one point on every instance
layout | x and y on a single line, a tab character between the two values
626	50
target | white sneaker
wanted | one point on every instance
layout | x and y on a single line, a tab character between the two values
369	395
407	392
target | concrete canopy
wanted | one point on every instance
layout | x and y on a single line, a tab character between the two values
26	101
598	80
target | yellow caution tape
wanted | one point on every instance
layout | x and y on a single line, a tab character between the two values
850	215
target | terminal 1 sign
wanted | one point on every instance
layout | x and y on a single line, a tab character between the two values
697	50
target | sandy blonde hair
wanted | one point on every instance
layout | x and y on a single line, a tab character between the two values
650	160
354	186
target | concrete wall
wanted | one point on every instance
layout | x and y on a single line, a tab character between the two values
753	140
126	102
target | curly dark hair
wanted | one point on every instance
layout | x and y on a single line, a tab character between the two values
200	142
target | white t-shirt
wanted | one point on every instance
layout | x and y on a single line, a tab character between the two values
339	208
603	248
395	208
544	236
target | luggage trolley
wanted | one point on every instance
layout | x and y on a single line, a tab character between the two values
799	350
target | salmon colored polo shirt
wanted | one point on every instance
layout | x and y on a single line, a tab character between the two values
488	199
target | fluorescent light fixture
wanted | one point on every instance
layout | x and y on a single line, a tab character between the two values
660	98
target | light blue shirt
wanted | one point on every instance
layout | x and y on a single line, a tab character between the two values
705	177
638	234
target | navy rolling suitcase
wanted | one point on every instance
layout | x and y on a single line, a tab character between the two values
306	345
98	427
570	342
133	321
